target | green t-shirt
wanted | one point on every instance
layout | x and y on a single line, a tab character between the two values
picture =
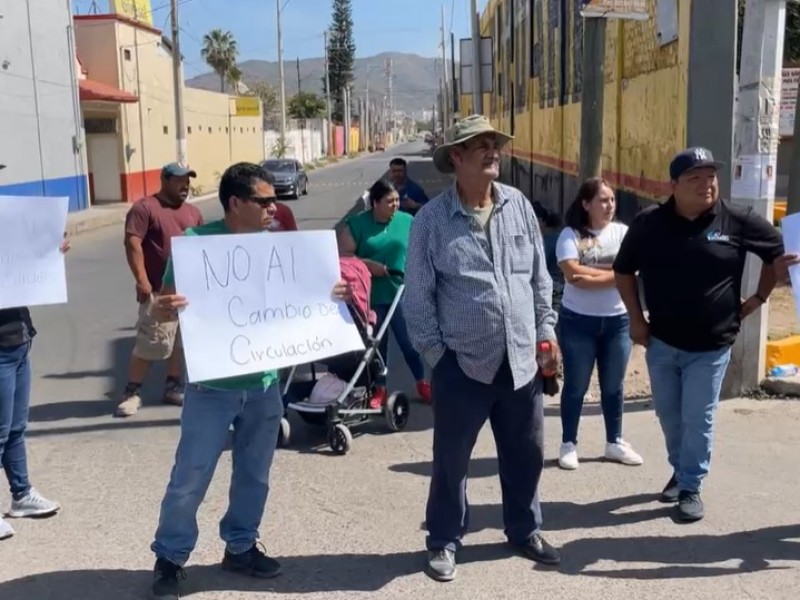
244	382
386	243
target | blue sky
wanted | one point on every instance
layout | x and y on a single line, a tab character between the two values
380	25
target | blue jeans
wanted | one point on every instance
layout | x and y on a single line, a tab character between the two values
686	389
585	340
15	400
206	417
398	327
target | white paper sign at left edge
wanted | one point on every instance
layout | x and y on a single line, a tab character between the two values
259	301
32	270
790	228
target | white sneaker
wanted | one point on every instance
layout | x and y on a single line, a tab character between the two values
568	456
33	505
622	452
6	531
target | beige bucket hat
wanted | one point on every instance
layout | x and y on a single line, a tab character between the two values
465	129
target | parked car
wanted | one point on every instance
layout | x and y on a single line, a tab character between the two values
290	176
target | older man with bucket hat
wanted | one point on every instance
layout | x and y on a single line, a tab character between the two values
479	300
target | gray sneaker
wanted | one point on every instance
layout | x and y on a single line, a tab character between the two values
6	531
441	565
690	507
33	504
173	393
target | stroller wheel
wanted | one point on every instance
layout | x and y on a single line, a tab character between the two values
397	411
285	433
340	439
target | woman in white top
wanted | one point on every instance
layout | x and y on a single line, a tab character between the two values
593	323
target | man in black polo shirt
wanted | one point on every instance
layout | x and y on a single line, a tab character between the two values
690	254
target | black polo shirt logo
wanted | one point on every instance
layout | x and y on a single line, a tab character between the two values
717	236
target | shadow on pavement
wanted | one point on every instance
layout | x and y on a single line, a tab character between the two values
478	467
301	575
593	409
688	556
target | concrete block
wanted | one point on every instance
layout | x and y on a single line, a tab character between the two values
783	352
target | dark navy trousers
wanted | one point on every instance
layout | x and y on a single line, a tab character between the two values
461	406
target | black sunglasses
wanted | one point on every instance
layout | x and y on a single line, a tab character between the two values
262	201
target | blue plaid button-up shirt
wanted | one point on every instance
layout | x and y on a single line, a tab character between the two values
483	297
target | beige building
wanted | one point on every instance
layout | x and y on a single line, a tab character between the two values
129	114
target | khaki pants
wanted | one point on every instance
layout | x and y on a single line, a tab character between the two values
155	340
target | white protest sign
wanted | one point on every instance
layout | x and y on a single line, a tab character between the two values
32	270
790	228
260	301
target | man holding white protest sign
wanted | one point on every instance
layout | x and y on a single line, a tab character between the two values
250	400
32	274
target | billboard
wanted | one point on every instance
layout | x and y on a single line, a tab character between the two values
615	9
138	10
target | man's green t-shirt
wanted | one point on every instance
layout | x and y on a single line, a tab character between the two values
244	382
385	243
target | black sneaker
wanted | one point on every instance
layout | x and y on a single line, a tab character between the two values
254	562
671	491
690	507
441	565
168	576
538	550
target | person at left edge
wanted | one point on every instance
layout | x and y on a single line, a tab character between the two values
16	337
252	403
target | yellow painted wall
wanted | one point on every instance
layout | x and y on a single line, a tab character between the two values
354	138
215	136
645	96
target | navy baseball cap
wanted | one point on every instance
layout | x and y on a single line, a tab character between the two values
175	169
692	158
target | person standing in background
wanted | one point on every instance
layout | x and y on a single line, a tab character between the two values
593	322
412	196
150	225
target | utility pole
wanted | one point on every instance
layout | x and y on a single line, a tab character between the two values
477	95
302	119
329	126
346	102
592	97
390	96
445	103
755	151
281	73
455	104
177	79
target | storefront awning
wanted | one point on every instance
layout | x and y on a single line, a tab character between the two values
94	91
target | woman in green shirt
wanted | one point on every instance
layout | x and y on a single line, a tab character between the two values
379	237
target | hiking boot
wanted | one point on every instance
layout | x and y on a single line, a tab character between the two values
424	391
254	562
173	393
6	531
670	493
441	565
538	550
33	504
131	402
168	576
690	506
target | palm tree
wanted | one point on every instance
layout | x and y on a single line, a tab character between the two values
220	52
234	77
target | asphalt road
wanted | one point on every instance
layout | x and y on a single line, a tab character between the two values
351	526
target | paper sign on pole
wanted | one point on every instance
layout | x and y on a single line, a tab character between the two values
790	78
32	271
615	9
260	301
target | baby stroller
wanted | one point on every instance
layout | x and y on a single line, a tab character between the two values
351	376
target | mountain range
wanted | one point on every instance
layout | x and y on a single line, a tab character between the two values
415	78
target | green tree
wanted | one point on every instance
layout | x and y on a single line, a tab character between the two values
341	55
220	52
306	105
269	96
791	42
234	78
